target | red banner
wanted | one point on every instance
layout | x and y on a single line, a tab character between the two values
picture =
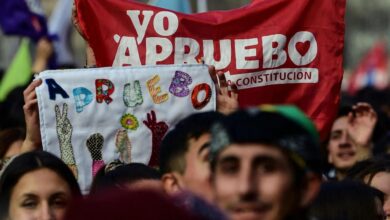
276	51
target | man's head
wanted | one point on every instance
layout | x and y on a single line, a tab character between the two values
343	150
265	162
184	155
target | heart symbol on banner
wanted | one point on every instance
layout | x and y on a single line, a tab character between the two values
303	47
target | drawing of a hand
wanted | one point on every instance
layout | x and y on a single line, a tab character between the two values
123	146
64	127
158	130
64	133
95	146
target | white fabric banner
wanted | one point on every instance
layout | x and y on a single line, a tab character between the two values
89	117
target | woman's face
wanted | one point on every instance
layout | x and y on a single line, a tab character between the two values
39	195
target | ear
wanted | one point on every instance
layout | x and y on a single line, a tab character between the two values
172	183
312	188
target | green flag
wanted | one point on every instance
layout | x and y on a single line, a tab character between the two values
19	72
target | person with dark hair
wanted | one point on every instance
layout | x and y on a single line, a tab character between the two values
375	172
350	138
347	200
130	176
11	141
184	152
265	163
36	185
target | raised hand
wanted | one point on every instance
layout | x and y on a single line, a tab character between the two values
158	130
31	116
64	134
43	52
227	100
361	123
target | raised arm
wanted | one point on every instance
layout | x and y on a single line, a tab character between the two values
362	121
90	56
31	115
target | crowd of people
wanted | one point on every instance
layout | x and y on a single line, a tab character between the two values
266	162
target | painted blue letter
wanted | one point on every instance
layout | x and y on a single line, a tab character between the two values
82	98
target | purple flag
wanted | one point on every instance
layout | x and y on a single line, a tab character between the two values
23	18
